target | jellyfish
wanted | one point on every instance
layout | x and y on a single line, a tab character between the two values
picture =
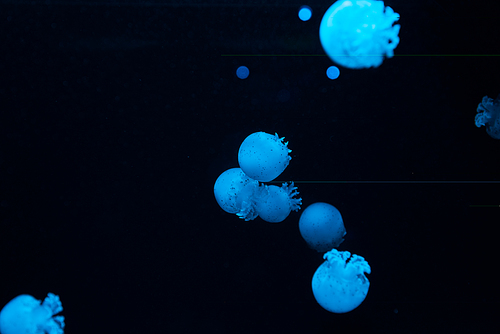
263	157
339	284
359	34
489	116
274	204
322	227
25	315
234	192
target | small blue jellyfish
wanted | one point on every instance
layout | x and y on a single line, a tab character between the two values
339	284
489	116
263	157
322	227
234	192
274	204
359	34
25	315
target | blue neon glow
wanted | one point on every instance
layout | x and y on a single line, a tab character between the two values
333	72
322	227
359	34
489	116
242	72
262	157
339	284
305	13
27	315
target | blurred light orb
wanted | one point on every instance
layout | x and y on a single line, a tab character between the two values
305	13
242	72
332	72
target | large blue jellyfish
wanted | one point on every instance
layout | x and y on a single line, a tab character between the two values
339	284
322	227
263	157
25	315
359	34
489	116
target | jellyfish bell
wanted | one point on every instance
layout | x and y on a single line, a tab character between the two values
234	192
322	227
26	315
274	204
263	157
339	284
359	33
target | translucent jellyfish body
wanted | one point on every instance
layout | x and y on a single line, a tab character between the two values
234	192
263	156
322	227
339	284
359	34
25	315
489	116
274	204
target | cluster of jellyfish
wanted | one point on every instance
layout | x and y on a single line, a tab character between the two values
262	158
354	34
339	285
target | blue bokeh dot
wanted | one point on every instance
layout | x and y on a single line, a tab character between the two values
305	13
333	72
242	72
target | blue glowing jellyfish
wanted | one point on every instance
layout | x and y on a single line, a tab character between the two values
339	284
235	193
489	116
274	204
25	315
263	157
359	34
322	227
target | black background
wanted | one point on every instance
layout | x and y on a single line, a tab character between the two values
117	118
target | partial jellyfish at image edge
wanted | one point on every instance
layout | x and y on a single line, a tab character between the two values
488	115
25	314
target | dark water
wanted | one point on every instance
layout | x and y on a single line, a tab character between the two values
117	117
